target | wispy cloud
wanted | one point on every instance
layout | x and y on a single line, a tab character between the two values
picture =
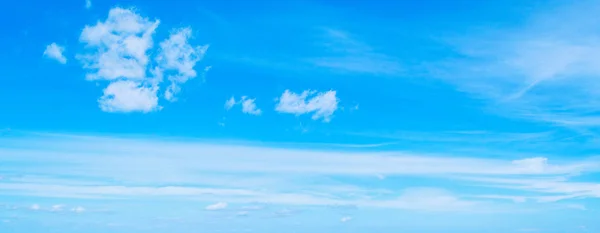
348	54
526	70
231	174
216	206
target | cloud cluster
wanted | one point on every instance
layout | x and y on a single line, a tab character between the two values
322	105
119	51
248	105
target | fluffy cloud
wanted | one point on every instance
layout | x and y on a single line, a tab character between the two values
119	51
35	207
322	105
127	96
177	55
345	219
54	51
216	206
248	105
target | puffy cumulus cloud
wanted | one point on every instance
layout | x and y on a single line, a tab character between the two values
54	51
118	52
177	55
127	96
248	105
322	105
216	206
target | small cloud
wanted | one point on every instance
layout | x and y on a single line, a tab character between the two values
54	51
216	206
322	105
78	209
88	4
346	219
230	103
248	105
34	207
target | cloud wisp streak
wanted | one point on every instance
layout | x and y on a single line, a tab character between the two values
209	172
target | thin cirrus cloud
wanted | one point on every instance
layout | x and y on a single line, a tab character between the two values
118	52
216	206
322	105
248	105
244	175
348	54
525	70
55	52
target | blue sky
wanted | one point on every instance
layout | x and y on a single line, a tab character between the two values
299	116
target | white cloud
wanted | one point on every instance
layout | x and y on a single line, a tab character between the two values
119	50
345	219
34	207
128	96
248	105
216	206
176	54
88	4
322	105
120	45
54	51
230	103
78	209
